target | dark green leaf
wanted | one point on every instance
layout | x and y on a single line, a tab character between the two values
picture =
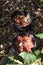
37	53
5	60
11	60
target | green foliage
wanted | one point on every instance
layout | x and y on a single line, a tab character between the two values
37	62
39	35
37	53
7	30
28	57
41	1
5	60
10	60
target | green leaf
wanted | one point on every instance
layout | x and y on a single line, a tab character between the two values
5	60
39	35
37	62
15	60
11	60
37	53
28	57
41	1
